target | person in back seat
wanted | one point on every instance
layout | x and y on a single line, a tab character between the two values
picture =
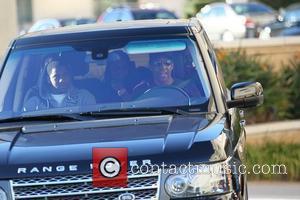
118	75
57	90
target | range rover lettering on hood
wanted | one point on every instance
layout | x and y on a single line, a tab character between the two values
68	168
46	169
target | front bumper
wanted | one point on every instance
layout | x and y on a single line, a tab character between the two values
228	196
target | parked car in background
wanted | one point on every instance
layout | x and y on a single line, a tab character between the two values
221	22
125	13
50	23
291	31
287	24
257	14
292	13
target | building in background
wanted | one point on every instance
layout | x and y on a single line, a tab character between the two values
30	11
8	23
62	9
17	16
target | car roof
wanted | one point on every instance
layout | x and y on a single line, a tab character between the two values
218	4
106	30
148	9
248	3
136	8
120	25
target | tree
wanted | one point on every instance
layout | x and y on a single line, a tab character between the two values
276	4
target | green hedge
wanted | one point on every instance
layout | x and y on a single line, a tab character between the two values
290	79
281	88
282	101
272	154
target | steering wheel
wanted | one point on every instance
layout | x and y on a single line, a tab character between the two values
166	92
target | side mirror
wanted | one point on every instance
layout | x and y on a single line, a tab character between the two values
246	94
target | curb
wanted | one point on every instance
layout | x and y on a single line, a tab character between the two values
272	127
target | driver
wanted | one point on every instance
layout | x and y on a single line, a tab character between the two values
162	68
58	91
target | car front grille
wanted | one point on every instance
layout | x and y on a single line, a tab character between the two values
74	187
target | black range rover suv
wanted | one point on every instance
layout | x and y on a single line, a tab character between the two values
153	87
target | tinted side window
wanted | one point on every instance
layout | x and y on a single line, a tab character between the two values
257	8
251	8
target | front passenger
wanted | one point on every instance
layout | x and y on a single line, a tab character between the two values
58	90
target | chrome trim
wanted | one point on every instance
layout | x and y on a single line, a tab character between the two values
76	181
246	89
12	190
71	186
159	181
96	123
86	192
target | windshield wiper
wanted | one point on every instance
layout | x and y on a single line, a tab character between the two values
54	117
135	112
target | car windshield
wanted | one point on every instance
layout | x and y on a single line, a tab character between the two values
108	74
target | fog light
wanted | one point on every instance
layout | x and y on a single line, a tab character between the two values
176	185
3	195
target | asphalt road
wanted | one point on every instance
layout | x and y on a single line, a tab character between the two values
273	190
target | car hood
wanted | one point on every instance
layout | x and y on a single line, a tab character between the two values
168	139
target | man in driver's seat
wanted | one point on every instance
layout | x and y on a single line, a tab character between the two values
57	90
162	68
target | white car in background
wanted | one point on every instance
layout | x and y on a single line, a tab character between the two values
221	22
52	23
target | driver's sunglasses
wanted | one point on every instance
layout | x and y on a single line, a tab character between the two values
167	63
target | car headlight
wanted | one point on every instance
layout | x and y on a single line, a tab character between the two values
199	180
3	195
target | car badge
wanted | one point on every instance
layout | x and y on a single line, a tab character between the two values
126	196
